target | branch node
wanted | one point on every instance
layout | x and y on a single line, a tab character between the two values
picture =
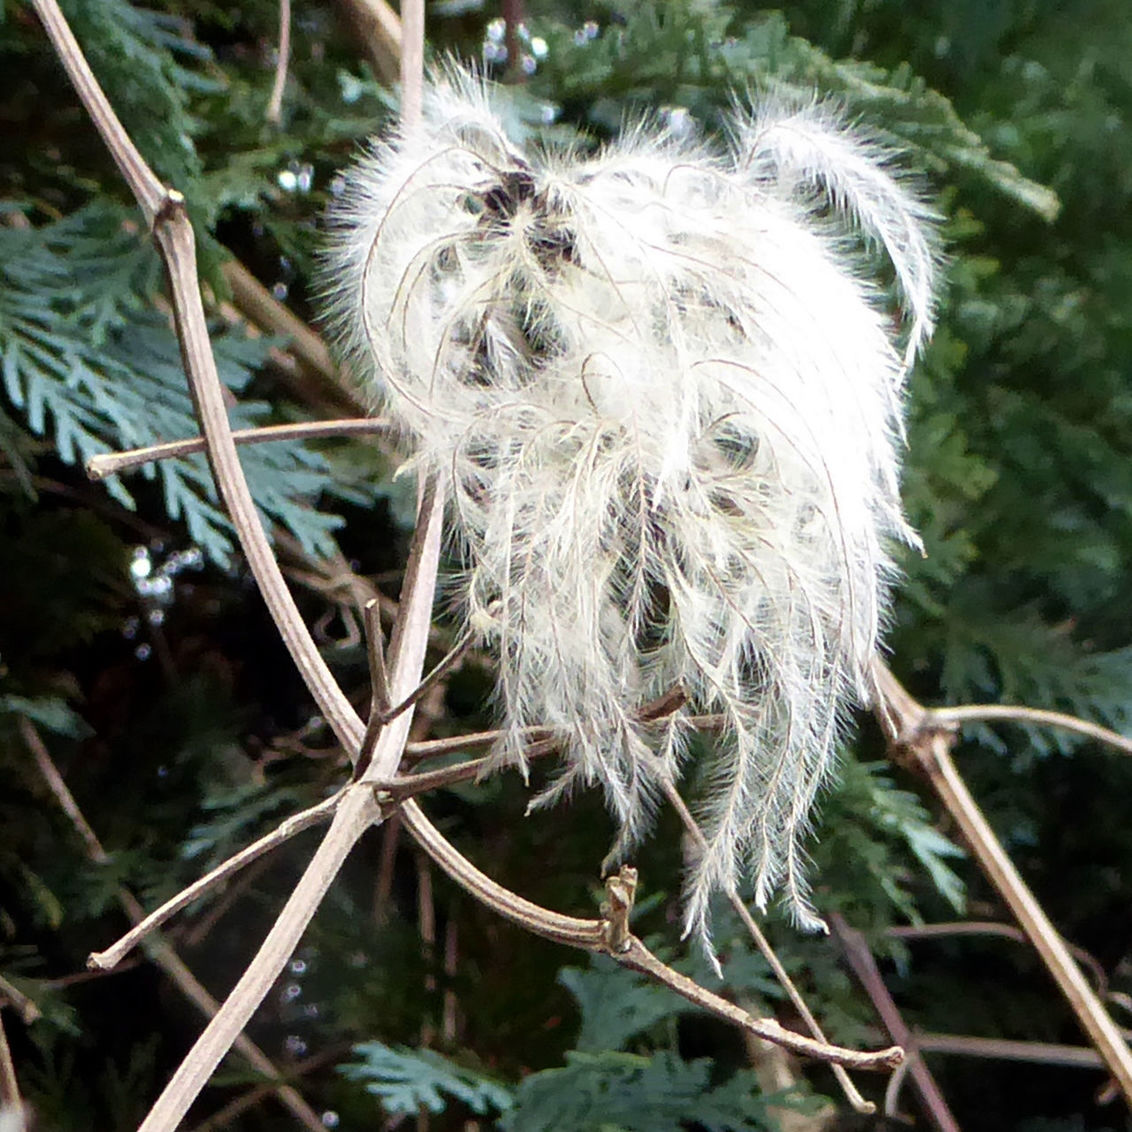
620	893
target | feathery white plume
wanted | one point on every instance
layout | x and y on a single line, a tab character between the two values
666	408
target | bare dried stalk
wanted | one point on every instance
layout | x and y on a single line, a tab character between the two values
412	62
864	967
12	996
1005	931
223	1117
441	669
426	927
357	811
1044	1053
639	958
1030	717
113	955
10	1100
918	732
375	645
449	1021
111	463
160	951
592	935
380	31
852	1095
275	102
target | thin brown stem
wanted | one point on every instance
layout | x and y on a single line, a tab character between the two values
12	996
1042	1053
992	928
442	668
383	889
197	932
860	958
275	102
852	1094
357	811
223	1117
261	308
112	463
375	651
449	1024
379	29
426	926
1030	717
592	935
323	812
150	192
917	733
380	696
10	1099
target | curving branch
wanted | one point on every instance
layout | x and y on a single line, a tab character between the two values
1030	717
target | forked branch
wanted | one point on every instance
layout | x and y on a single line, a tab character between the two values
927	738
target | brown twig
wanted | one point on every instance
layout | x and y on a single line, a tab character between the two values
379	29
592	936
261	308
450	1016
426	927
323	812
852	1094
916	732
864	967
12	996
1042	1053
275	102
223	1117
1004	931
112	463
10	1099
1029	717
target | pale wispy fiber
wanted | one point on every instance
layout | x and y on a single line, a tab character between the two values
666	404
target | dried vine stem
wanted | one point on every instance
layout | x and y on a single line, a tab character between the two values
1003	931
261	308
113	955
861	960
275	102
380	31
927	739
111	463
852	1095
1030	717
1003	1049
10	1100
12	996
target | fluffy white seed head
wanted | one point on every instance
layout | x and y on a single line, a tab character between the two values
666	407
